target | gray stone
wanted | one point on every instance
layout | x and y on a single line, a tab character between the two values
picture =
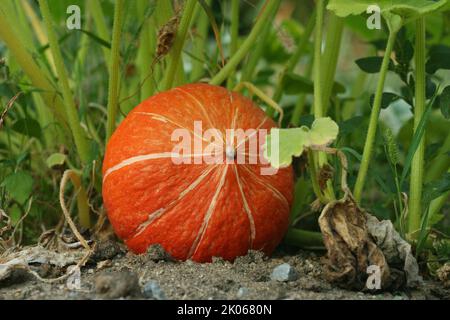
114	285
152	290
283	273
242	292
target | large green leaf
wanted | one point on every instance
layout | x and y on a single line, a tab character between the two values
438	59
292	142
407	9
19	185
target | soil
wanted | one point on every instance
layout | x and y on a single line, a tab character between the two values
112	273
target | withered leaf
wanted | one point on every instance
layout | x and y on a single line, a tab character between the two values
350	248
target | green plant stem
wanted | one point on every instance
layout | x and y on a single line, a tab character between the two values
175	52
82	200
269	8
98	16
320	159
114	67
38	29
69	103
27	63
358	86
30	25
373	122
318	97
293	60
234	34
417	165
162	14
304	239
314	179
147	41
200	44
299	107
331	55
255	55
253	58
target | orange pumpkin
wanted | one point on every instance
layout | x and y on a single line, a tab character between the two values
195	210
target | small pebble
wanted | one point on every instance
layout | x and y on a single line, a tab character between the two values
283	273
152	290
242	292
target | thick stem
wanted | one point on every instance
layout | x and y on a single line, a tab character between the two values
358	86
331	55
417	164
253	59
147	45
234	34
318	105
200	42
69	103
320	159
269	8
255	55
114	67
304	239
82	201
175	52
314	178
373	122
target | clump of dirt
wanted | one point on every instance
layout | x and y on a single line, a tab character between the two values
113	285
116	274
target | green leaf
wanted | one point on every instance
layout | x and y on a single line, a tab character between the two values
430	88
404	50
338	88
372	64
295	84
387	99
323	132
292	142
96	38
436	188
407	9
28	127
350	125
438	59
19	185
56	159
444	102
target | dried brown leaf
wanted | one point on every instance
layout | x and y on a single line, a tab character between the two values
350	248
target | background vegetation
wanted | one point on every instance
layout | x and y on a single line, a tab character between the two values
63	91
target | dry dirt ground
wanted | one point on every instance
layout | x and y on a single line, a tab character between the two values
114	274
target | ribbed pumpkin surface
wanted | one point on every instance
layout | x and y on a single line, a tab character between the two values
198	210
